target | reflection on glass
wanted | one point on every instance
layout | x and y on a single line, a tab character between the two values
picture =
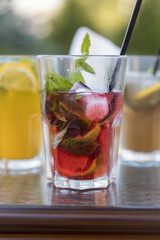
100	197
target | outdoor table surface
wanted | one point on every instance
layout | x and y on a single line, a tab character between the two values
129	209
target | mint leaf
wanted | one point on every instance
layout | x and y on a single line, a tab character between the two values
61	125
54	106
49	86
81	64
79	147
60	116
85	45
84	145
63	108
67	112
56	83
77	76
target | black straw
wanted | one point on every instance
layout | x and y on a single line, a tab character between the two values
157	62
130	27
125	42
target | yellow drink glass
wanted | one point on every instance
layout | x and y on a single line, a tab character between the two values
20	114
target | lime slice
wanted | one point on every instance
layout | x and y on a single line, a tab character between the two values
83	145
80	174
18	76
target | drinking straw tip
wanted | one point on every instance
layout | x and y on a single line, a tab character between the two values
157	62
126	41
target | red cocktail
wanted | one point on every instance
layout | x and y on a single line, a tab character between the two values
82	126
81	119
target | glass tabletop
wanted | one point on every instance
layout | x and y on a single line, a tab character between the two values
136	186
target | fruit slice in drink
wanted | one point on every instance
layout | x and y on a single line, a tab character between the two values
148	95
78	154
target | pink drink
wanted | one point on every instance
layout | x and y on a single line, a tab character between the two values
84	127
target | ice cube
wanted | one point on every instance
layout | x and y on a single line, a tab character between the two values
97	107
79	87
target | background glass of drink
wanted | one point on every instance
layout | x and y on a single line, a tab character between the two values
81	119
140	135
20	115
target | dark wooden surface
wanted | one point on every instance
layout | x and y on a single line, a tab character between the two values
82	220
129	206
79	237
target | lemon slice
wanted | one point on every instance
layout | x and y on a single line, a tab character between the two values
147	91
148	97
18	76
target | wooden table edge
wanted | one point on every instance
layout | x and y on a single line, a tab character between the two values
79	219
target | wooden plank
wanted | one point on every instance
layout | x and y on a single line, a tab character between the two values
78	237
82	220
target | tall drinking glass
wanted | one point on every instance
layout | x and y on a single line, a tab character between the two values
20	114
140	135
81	118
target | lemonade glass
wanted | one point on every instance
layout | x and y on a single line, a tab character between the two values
20	118
81	119
140	135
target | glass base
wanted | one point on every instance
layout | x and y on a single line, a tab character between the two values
62	182
139	157
21	166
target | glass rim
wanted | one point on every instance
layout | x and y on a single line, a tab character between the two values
78	55
7	56
143	56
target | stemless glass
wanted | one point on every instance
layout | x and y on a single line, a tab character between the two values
20	118
81	118
140	135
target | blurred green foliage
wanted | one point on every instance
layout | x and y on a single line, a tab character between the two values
109	18
146	36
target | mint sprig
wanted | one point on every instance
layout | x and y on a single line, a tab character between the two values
85	45
81	64
56	83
